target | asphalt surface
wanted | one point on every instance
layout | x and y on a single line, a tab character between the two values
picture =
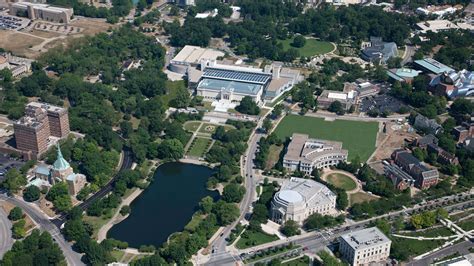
462	248
317	240
45	224
6	240
408	55
220	243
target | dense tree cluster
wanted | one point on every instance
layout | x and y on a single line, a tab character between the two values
317	221
264	144
248	106
268	22
354	22
13	181
457	48
36	249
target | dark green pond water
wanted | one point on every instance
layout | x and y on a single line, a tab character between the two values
166	206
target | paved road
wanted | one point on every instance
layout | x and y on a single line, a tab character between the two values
353	117
6	240
220	243
410	52
126	164
462	248
317	240
45	224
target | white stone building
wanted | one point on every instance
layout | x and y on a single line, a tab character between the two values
42	11
365	247
305	154
298	198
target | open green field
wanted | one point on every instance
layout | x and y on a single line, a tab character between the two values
171	90
357	137
415	247
253	238
360	197
342	181
312	47
467	224
192	126
273	156
199	147
432	232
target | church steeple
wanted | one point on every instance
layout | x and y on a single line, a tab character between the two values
60	163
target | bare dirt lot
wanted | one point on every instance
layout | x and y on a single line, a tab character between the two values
31	43
18	43
395	137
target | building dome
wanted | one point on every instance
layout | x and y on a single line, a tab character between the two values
290	196
60	163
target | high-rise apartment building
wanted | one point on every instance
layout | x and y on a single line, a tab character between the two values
40	121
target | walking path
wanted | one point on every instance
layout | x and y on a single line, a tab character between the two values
117	218
351	176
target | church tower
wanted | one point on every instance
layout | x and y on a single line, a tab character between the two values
61	168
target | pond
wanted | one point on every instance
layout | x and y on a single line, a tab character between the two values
166	206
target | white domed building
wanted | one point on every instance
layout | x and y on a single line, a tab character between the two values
298	198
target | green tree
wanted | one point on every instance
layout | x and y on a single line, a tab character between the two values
248	106
13	181
267	124
299	41
170	149
18	229
233	193
226	212
206	204
15	214
290	228
125	210
31	193
336	107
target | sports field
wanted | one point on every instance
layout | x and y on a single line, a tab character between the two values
312	47
357	137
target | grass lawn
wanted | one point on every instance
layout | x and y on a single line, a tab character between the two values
252	238
342	181
360	197
208	128
199	147
117	254
312	47
96	223
441	231
301	261
357	137
415	247
171	89
192	126
273	156
467	225
194	223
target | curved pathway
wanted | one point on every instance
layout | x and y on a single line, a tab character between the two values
117	218
351	176
72	258
6	240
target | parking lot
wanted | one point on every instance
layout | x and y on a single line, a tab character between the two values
7	163
12	23
382	103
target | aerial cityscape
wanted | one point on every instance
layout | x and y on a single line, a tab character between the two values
236	132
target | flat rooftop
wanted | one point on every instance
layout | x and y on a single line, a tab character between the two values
193	54
236	86
433	65
365	238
